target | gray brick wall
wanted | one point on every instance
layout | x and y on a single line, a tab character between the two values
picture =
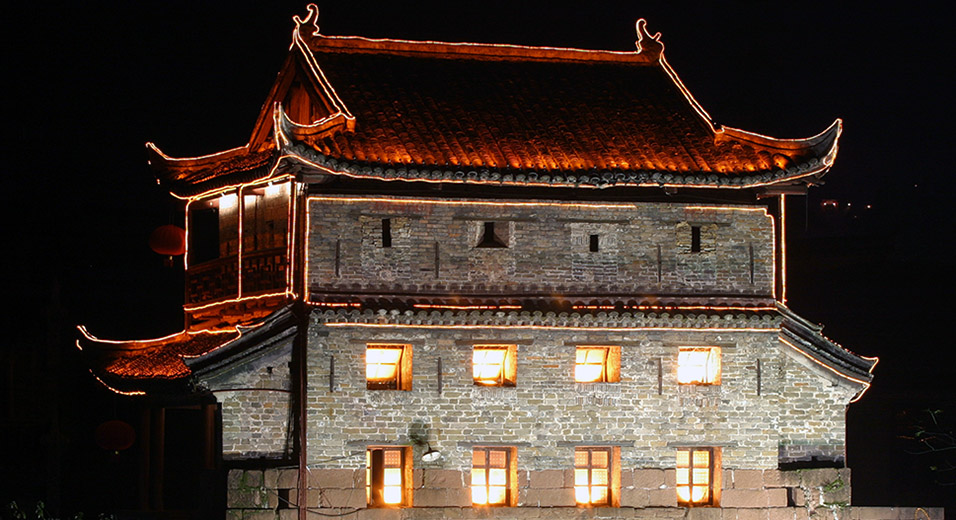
433	247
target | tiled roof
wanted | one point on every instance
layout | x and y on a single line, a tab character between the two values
470	113
165	364
554	117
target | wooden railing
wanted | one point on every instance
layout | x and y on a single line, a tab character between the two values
262	271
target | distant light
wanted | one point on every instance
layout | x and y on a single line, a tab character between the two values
869	206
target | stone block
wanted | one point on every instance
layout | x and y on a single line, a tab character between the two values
635	497
443	478
234	479
782	513
703	513
752	514
270	478
287	479
670	477
259	515
251	478
331	497
649	478
662	497
245	498
523	478
778	478
742	498
336	478
547	479
542	497
777	497
442	497
747	479
288	514
383	513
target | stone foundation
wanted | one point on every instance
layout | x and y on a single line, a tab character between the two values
644	493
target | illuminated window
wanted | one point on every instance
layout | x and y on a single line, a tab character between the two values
388	367
698	366
597	364
493	480
697	475
494	365
593	472
387	476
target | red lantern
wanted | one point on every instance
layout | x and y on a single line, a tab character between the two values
168	240
115	435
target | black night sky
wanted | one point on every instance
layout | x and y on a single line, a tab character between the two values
90	83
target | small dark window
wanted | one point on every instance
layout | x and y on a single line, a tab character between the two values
594	243
695	239
284	502
490	238
204	236
386	232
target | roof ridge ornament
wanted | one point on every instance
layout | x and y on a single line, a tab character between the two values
312	18
646	43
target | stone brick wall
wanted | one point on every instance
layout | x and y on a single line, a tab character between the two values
643	248
546	413
254	395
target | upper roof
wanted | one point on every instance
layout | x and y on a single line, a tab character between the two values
480	113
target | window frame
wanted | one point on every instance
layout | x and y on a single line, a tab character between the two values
713	483
510	470
613	485
402	379
509	366
708	379
611	366
372	499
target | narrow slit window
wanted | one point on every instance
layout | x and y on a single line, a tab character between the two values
491	476
696	472
594	243
695	239
386	232
385	477
698	366
592	476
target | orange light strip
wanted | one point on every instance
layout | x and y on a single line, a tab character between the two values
687	95
465	307
116	390
463	202
165	157
773	259
540	327
235	300
335	304
674	307
783	249
305	254
303	47
552	185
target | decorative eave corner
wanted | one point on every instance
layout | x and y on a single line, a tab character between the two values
807	339
650	46
288	131
819	151
299	43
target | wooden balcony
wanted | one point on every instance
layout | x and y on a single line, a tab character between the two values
262	272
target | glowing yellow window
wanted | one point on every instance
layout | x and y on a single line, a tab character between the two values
385	477
491	476
698	366
494	365
592	476
388	367
597	365
696	472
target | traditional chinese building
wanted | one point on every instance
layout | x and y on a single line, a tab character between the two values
442	278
